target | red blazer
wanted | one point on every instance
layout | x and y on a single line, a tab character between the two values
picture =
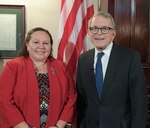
19	94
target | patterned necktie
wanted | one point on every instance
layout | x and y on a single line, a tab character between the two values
99	74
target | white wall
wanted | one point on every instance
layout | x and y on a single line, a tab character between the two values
43	13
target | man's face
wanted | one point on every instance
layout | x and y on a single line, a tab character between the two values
102	37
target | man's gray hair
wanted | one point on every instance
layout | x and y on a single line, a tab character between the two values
106	15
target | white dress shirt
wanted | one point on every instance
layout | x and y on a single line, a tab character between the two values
104	59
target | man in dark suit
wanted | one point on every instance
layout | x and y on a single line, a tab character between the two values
122	102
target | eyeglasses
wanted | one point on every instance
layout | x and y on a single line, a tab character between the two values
103	29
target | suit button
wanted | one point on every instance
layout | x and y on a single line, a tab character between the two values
100	107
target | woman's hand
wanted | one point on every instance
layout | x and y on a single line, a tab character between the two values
22	125
60	124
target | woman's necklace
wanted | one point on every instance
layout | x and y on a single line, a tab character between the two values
37	68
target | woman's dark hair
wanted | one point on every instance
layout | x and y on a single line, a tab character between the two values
24	52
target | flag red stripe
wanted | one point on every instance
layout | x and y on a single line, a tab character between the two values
79	44
68	28
62	4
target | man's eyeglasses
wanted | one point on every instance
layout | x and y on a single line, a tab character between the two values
103	29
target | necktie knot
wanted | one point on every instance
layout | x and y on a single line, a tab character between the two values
100	55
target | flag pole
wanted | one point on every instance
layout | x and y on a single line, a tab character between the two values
99	2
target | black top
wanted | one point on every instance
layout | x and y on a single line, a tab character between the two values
44	91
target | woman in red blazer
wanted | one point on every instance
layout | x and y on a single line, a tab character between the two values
36	89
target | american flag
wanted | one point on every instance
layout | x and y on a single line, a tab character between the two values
73	29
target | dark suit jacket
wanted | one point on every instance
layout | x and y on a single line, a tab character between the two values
123	103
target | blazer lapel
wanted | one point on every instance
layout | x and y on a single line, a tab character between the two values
111	69
33	93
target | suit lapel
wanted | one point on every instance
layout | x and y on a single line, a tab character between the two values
111	69
90	66
91	75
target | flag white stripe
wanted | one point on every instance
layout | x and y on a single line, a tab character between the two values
78	24
72	31
68	4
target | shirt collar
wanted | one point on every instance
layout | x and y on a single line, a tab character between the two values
107	50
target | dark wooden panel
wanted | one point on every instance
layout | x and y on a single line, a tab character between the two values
122	16
133	31
132	19
140	40
147	75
